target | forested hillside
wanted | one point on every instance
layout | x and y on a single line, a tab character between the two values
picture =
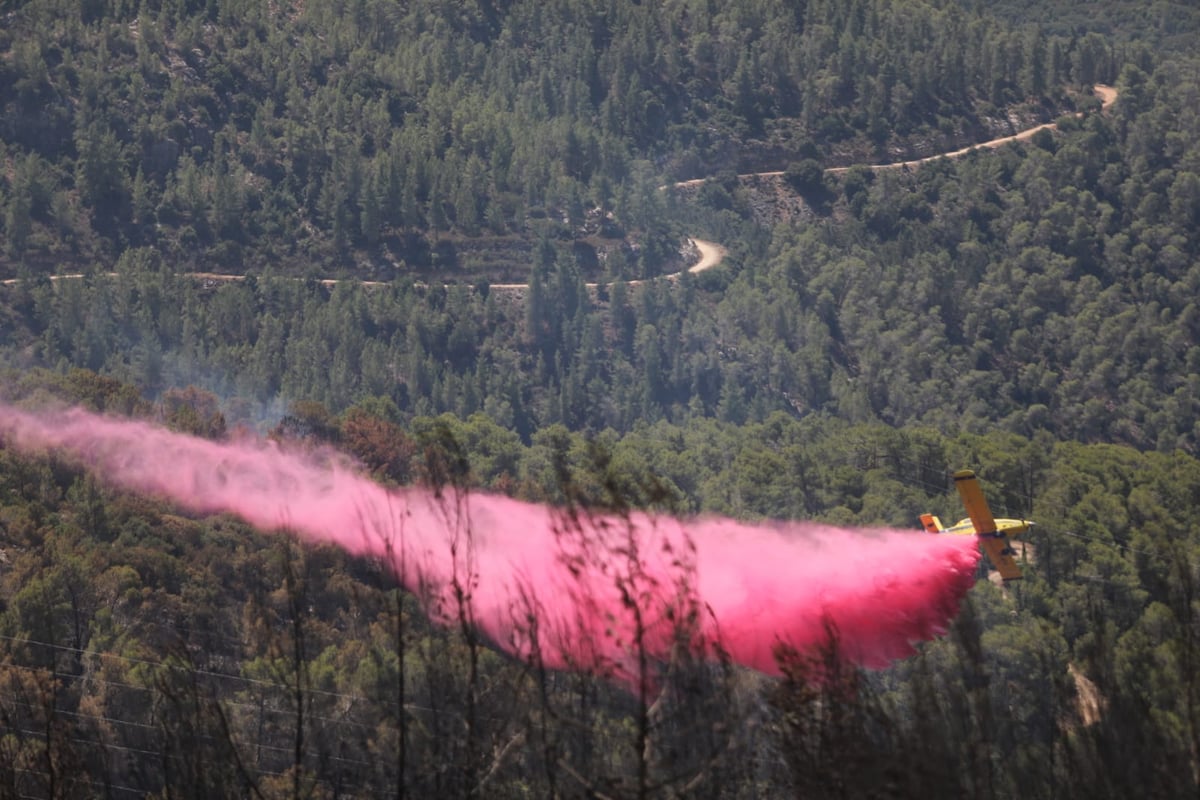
1028	311
1164	24
374	138
1046	286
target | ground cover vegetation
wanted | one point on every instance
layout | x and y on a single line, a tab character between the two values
150	651
1029	311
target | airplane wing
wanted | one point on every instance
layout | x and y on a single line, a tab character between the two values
1001	553
977	507
994	544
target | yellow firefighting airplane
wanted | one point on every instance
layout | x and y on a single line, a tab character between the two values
993	533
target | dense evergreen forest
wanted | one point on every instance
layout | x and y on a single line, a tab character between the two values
378	138
1029	311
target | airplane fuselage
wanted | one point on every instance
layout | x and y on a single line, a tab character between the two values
1012	528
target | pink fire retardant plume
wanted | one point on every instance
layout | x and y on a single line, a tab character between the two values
577	591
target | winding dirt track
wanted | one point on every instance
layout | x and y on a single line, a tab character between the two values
1107	95
711	253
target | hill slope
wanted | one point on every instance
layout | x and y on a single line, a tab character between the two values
449	138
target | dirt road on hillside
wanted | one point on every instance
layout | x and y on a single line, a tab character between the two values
1107	95
711	253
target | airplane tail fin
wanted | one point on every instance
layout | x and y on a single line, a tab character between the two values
932	523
